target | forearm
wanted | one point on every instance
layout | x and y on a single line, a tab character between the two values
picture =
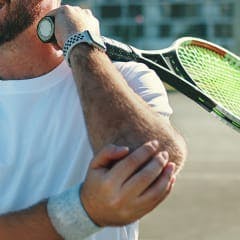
113	112
32	223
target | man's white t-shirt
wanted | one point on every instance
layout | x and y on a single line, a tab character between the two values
44	146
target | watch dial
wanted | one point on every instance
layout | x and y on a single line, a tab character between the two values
45	28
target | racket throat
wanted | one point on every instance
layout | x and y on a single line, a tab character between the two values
175	66
157	58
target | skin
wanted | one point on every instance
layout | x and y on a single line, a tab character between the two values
115	192
26	53
102	87
13	24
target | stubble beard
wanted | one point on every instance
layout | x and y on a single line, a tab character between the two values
19	16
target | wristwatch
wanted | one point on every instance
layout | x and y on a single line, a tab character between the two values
82	37
46	29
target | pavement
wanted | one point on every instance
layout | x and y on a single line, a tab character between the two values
205	202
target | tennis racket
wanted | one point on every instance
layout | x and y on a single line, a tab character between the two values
203	71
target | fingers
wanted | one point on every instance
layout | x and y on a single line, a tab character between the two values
146	179
73	19
126	167
108	154
158	191
140	181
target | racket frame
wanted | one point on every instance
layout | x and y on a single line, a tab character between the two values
170	70
219	110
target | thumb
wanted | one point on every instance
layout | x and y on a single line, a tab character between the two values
108	154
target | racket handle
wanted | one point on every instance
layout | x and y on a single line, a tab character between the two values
116	51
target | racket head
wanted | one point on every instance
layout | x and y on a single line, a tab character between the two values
212	69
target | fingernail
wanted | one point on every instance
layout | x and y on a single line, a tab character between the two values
122	149
155	143
164	155
173	180
170	169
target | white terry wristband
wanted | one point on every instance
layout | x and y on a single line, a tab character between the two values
68	216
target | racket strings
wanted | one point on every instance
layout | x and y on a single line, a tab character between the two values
218	76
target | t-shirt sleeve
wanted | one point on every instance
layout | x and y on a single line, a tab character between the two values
146	84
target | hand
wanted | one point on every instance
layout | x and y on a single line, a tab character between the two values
128	190
73	19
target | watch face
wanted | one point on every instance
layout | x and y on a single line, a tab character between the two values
46	29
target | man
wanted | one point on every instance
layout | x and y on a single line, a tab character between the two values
44	141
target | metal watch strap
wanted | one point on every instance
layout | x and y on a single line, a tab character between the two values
77	38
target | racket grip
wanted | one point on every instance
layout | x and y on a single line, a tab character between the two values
118	51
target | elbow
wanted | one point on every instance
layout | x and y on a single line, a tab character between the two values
181	156
177	149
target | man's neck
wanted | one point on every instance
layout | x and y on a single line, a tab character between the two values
26	57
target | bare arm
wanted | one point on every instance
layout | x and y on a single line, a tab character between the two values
32	223
114	197
121	194
113	112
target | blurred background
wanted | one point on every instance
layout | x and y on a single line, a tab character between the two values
205	202
157	23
